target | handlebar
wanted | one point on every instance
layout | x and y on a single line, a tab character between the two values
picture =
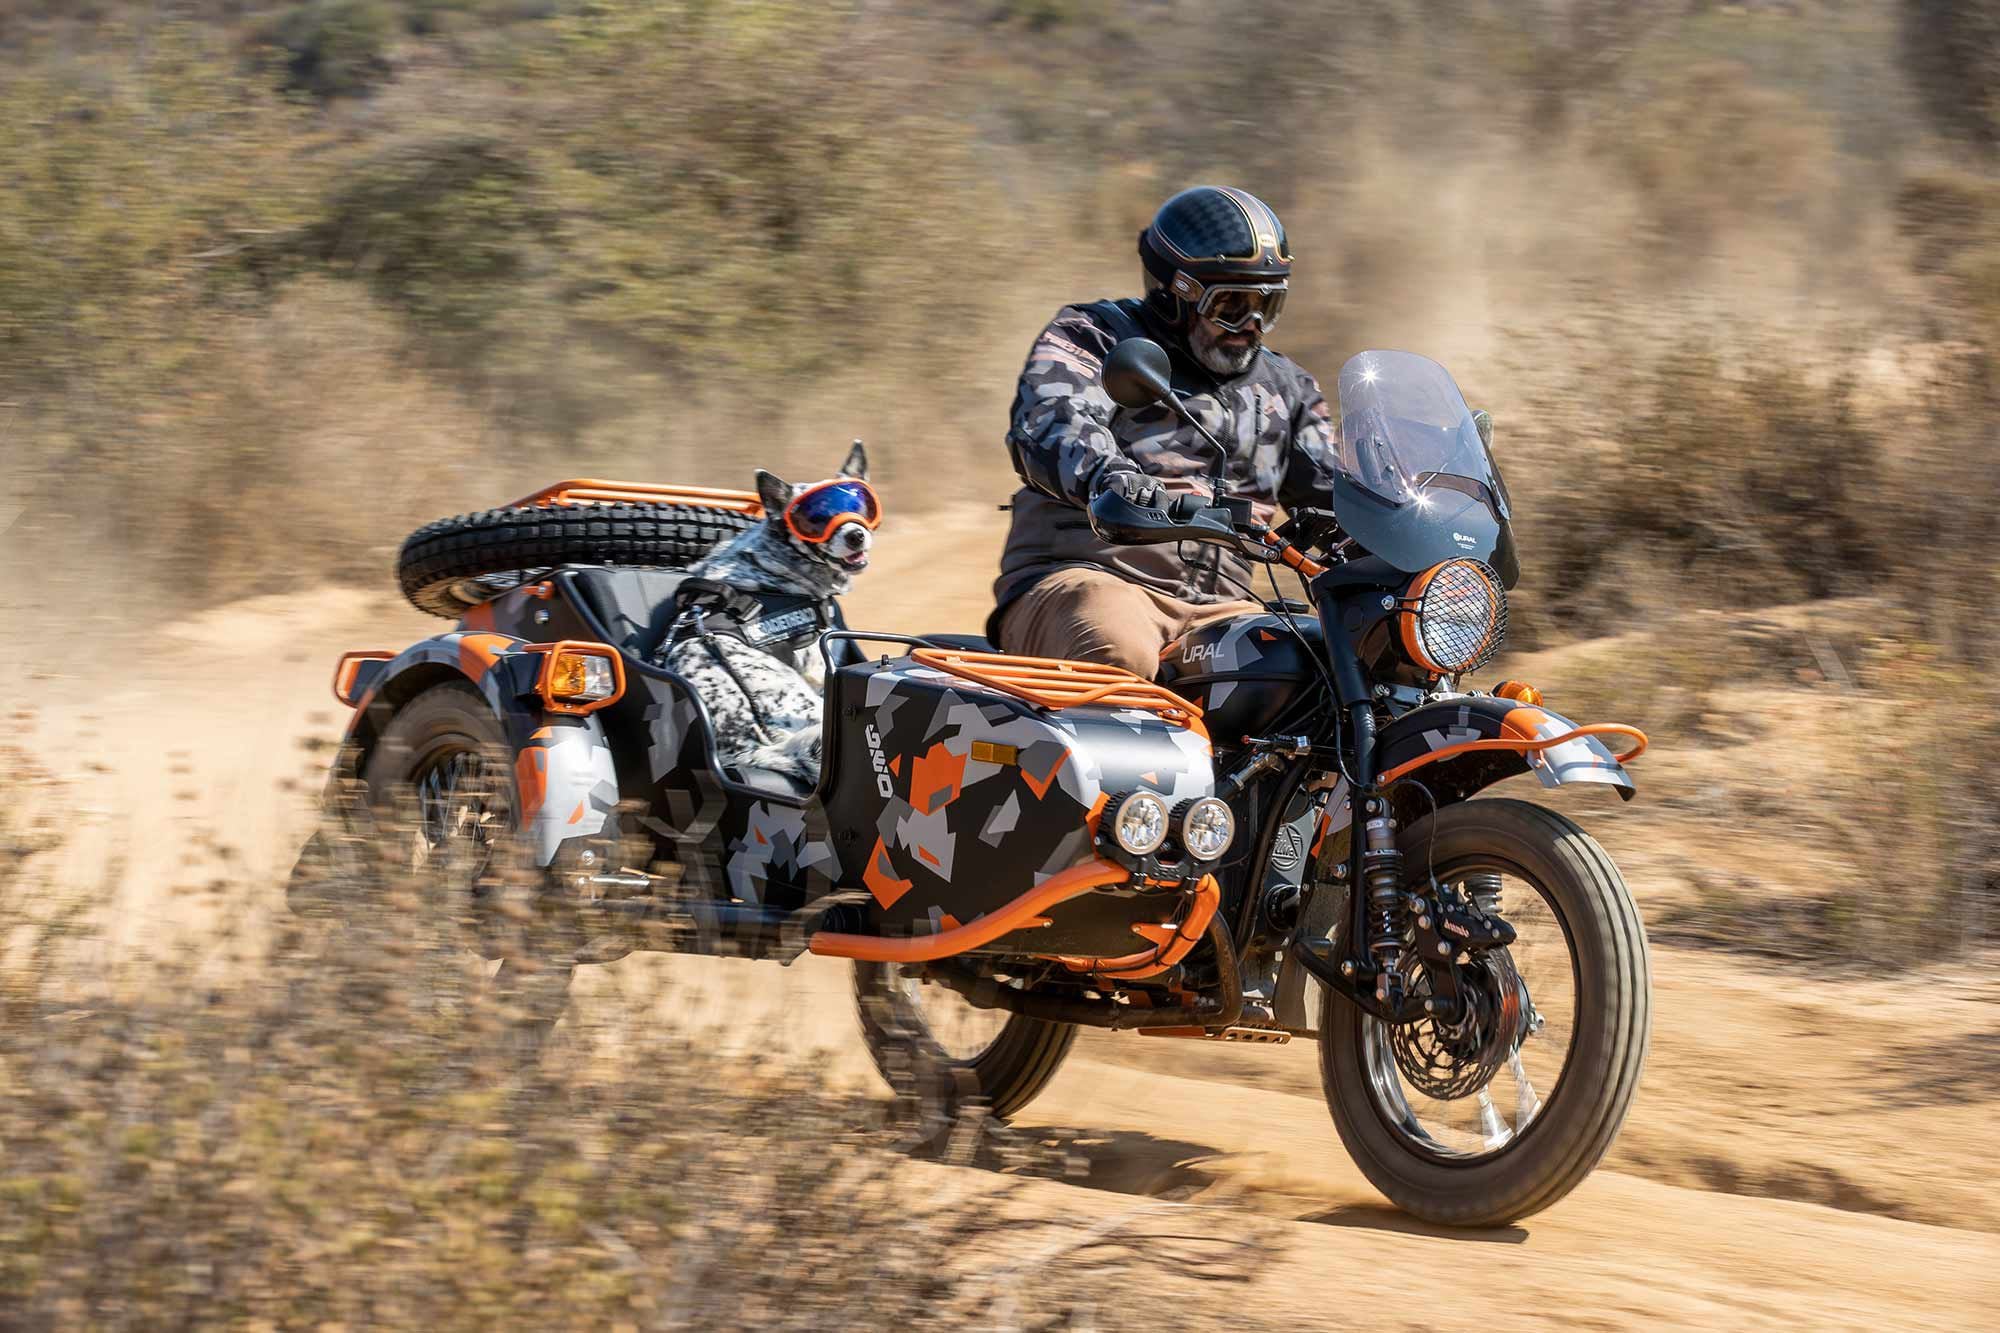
1195	517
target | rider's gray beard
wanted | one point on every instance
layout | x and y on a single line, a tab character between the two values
1217	358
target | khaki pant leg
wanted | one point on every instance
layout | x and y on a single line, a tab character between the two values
1087	615
1194	616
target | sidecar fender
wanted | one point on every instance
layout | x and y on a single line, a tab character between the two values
565	780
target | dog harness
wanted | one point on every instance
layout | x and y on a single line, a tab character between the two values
785	625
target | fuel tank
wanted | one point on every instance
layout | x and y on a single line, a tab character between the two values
954	797
1245	673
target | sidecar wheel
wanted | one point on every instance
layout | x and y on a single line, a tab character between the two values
440	783
931	1044
1483	1140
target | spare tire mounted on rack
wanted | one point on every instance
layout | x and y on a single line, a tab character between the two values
447	566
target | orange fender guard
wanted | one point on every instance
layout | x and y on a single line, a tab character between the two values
1523	745
1071	883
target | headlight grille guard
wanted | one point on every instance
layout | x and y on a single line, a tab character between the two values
1436	633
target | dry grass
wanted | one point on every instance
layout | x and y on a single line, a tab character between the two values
343	1130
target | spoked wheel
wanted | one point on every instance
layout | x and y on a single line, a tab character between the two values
931	1042
1504	1110
441	773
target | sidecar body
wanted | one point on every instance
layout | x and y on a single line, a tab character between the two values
960	808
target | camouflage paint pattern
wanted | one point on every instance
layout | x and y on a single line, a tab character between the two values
941	835
1272	420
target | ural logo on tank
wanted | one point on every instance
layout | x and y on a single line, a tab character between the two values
1465	541
883	784
1195	652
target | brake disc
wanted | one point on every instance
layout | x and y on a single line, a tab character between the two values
1445	1059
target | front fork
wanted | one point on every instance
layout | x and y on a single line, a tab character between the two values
1390	932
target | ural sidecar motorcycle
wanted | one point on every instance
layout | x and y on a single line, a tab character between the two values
1275	839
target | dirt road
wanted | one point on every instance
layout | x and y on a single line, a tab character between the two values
1805	1150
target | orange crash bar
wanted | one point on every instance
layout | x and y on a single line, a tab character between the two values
1172	947
1071	883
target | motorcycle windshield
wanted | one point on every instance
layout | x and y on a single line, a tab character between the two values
1414	483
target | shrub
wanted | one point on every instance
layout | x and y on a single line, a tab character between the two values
440	228
335	48
1952	51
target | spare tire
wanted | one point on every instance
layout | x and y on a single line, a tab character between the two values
441	561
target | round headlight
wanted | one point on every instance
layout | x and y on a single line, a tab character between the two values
1140	823
1457	615
1206	829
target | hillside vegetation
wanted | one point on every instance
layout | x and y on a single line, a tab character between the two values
279	281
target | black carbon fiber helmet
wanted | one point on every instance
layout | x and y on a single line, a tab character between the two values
1209	236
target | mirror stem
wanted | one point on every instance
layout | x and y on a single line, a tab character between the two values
1180	409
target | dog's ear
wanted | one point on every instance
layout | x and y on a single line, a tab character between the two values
774	491
857	462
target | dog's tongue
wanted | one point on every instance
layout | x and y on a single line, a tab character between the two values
857	561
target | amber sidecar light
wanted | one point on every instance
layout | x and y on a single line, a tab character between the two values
347	672
580	677
1454	617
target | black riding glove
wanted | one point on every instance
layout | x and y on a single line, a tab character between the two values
1135	486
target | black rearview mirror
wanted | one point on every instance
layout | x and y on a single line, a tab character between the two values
1137	373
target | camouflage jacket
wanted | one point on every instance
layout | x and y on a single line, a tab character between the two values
1066	431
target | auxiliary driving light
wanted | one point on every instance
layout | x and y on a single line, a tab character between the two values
1140	823
1206	828
580	678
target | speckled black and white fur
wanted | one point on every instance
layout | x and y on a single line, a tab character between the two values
768	558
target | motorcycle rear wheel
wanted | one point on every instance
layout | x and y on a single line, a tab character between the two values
1559	1132
931	1043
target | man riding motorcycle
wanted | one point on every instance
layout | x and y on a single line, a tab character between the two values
1216	267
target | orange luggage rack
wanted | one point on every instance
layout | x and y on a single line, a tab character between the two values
586	491
1050	683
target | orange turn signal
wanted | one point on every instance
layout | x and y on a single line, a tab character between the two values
1519	691
348	669
580	677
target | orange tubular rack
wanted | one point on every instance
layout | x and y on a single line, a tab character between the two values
1049	683
586	491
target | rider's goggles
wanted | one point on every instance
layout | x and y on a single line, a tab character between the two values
1237	308
1234	306
817	510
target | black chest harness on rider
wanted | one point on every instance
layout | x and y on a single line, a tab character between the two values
785	625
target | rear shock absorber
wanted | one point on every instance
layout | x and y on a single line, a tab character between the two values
1388	912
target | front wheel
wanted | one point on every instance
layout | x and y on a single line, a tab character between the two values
931	1043
1479	1133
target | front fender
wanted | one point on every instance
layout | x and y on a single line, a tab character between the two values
566	784
1405	746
